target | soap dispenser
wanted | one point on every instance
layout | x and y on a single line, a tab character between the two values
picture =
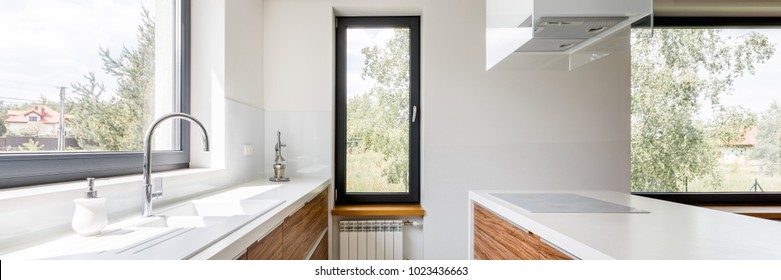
90	217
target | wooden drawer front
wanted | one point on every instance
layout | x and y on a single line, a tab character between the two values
321	253
550	252
316	218
295	233
302	229
268	248
497	239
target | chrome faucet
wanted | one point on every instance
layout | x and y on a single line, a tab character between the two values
149	195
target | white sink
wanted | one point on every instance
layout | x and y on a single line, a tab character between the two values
182	222
249	192
220	207
208	212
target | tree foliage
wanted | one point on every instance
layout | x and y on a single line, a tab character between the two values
671	74
31	146
3	129
768	147
378	121
117	123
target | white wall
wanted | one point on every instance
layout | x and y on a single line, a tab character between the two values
480	130
244	57
309	139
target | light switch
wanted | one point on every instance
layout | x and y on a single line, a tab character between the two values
248	150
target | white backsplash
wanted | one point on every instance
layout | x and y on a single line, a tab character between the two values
308	136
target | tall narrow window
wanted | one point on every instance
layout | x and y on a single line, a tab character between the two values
377	110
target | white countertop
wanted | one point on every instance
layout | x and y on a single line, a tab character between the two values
227	240
669	231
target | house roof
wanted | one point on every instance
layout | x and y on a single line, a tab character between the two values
749	138
46	114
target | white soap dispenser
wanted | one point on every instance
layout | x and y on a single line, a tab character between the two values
90	215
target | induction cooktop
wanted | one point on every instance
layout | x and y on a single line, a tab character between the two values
563	203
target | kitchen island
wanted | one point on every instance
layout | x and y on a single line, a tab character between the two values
648	229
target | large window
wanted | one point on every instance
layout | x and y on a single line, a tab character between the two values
377	110
80	81
706	110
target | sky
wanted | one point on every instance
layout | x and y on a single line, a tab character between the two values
51	43
757	92
357	39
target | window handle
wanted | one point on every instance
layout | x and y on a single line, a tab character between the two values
414	113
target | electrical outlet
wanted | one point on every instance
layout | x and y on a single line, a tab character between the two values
248	150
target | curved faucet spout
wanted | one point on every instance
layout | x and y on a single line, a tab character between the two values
149	194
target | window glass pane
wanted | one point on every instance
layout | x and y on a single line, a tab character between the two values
705	110
104	68
378	115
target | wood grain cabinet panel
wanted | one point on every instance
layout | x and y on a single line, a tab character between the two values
302	229
316	218
321	253
268	248
298	235
295	234
497	239
550	252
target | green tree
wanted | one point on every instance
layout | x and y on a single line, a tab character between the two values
378	121
3	129
768	147
31	146
671	74
730	125
117	123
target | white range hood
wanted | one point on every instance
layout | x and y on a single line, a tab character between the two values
561	34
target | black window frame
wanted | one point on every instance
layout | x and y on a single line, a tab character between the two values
717	198
18	170
342	197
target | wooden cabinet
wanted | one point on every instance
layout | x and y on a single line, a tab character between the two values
497	239
550	252
268	248
298	235
321	252
302	229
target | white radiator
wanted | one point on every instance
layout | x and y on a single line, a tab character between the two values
371	240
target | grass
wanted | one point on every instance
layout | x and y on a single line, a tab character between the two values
364	174
738	178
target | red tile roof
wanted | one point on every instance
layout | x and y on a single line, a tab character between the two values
749	138
46	115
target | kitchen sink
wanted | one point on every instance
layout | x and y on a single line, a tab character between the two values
249	193
218	207
208	212
181	222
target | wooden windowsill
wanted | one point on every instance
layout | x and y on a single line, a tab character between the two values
766	212
378	210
